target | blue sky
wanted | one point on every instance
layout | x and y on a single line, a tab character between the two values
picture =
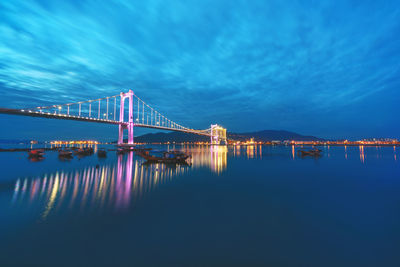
325	68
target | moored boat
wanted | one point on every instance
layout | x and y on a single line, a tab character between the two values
142	149
122	150
312	152
65	153
168	157
36	153
84	151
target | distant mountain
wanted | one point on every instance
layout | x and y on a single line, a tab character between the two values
178	137
272	135
264	136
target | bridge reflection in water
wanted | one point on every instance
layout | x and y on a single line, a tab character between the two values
108	187
213	157
118	185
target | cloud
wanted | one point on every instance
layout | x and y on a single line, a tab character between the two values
198	60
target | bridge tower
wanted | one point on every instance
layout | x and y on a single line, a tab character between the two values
218	134
130	124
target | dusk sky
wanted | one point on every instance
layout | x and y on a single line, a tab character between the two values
324	68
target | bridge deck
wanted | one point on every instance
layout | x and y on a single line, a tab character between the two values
88	119
170	129
47	115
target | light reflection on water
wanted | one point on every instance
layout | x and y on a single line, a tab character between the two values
251	151
119	185
214	157
362	156
109	186
113	186
118	205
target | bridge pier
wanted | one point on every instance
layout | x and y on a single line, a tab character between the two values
218	134
126	125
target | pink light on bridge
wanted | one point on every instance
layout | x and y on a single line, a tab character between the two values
129	126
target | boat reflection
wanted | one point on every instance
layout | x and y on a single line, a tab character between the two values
107	187
95	187
119	184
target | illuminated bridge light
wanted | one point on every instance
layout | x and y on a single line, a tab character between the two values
147	116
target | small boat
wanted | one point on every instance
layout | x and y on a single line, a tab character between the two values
140	150
101	153
122	150
175	157
312	152
36	153
65	153
84	151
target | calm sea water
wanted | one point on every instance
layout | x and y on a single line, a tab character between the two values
254	205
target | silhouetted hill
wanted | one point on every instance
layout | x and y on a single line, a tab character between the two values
266	135
272	135
178	137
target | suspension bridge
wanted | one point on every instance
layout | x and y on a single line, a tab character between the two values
112	110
